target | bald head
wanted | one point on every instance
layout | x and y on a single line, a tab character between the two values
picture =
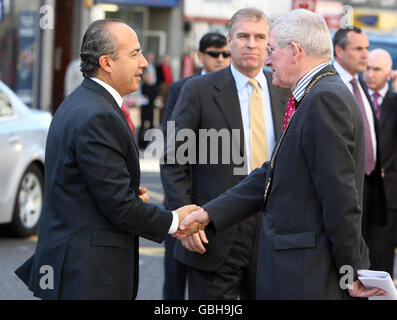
378	69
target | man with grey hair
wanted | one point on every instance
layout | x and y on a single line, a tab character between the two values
311	190
239	98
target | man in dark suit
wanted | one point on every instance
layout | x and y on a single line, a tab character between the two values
311	190
381	239
213	55
93	209
224	266
351	57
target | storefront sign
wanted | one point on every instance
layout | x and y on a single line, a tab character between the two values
1	10
149	3
26	37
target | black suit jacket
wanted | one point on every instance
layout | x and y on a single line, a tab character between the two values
92	214
388	149
312	220
173	94
376	206
211	102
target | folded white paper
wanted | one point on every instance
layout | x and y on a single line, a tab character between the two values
378	279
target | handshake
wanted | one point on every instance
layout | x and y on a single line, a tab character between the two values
192	218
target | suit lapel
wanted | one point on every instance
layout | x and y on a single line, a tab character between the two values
90	84
386	107
226	98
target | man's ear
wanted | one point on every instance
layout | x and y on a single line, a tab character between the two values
200	56
337	50
105	63
228	41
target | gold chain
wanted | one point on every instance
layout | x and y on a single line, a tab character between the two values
272	161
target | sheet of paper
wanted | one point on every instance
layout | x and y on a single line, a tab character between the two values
378	279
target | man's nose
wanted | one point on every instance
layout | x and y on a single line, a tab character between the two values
143	62
251	42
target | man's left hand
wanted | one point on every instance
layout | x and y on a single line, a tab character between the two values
358	290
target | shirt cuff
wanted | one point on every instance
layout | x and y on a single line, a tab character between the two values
174	224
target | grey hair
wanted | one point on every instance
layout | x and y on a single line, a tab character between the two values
307	29
97	41
247	13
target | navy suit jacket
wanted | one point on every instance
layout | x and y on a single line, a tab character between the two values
311	224
387	145
92	214
211	102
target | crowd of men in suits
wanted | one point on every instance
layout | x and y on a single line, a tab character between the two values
207	265
318	158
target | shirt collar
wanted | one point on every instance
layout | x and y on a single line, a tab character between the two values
242	80
346	76
111	90
382	92
305	80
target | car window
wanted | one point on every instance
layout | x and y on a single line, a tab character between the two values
5	105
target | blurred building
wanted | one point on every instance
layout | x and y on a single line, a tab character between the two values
39	38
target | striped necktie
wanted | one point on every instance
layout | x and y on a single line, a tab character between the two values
259	153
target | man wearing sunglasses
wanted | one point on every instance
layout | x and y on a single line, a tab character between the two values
239	99
213	55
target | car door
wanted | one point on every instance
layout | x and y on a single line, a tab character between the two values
9	148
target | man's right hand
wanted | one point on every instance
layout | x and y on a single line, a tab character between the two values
199	216
191	229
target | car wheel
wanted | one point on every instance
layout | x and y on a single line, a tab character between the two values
28	203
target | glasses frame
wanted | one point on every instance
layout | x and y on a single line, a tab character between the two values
216	54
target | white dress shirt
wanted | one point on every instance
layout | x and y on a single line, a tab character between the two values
382	93
119	100
244	90
347	77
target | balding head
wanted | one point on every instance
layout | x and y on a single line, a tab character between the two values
378	69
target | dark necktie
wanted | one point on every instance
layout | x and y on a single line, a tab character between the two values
376	96
291	105
127	116
369	149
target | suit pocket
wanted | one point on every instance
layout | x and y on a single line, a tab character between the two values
111	239
301	240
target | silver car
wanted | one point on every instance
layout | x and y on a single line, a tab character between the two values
23	134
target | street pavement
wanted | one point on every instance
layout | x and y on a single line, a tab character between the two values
14	251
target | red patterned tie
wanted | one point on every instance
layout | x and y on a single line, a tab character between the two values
127	116
289	111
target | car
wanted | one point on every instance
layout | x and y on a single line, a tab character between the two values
23	135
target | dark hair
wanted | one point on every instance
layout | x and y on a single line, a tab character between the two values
212	39
97	41
340	37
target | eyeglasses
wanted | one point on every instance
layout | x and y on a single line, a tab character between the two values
215	54
271	50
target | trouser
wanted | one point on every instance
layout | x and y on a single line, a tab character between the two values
236	277
381	244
